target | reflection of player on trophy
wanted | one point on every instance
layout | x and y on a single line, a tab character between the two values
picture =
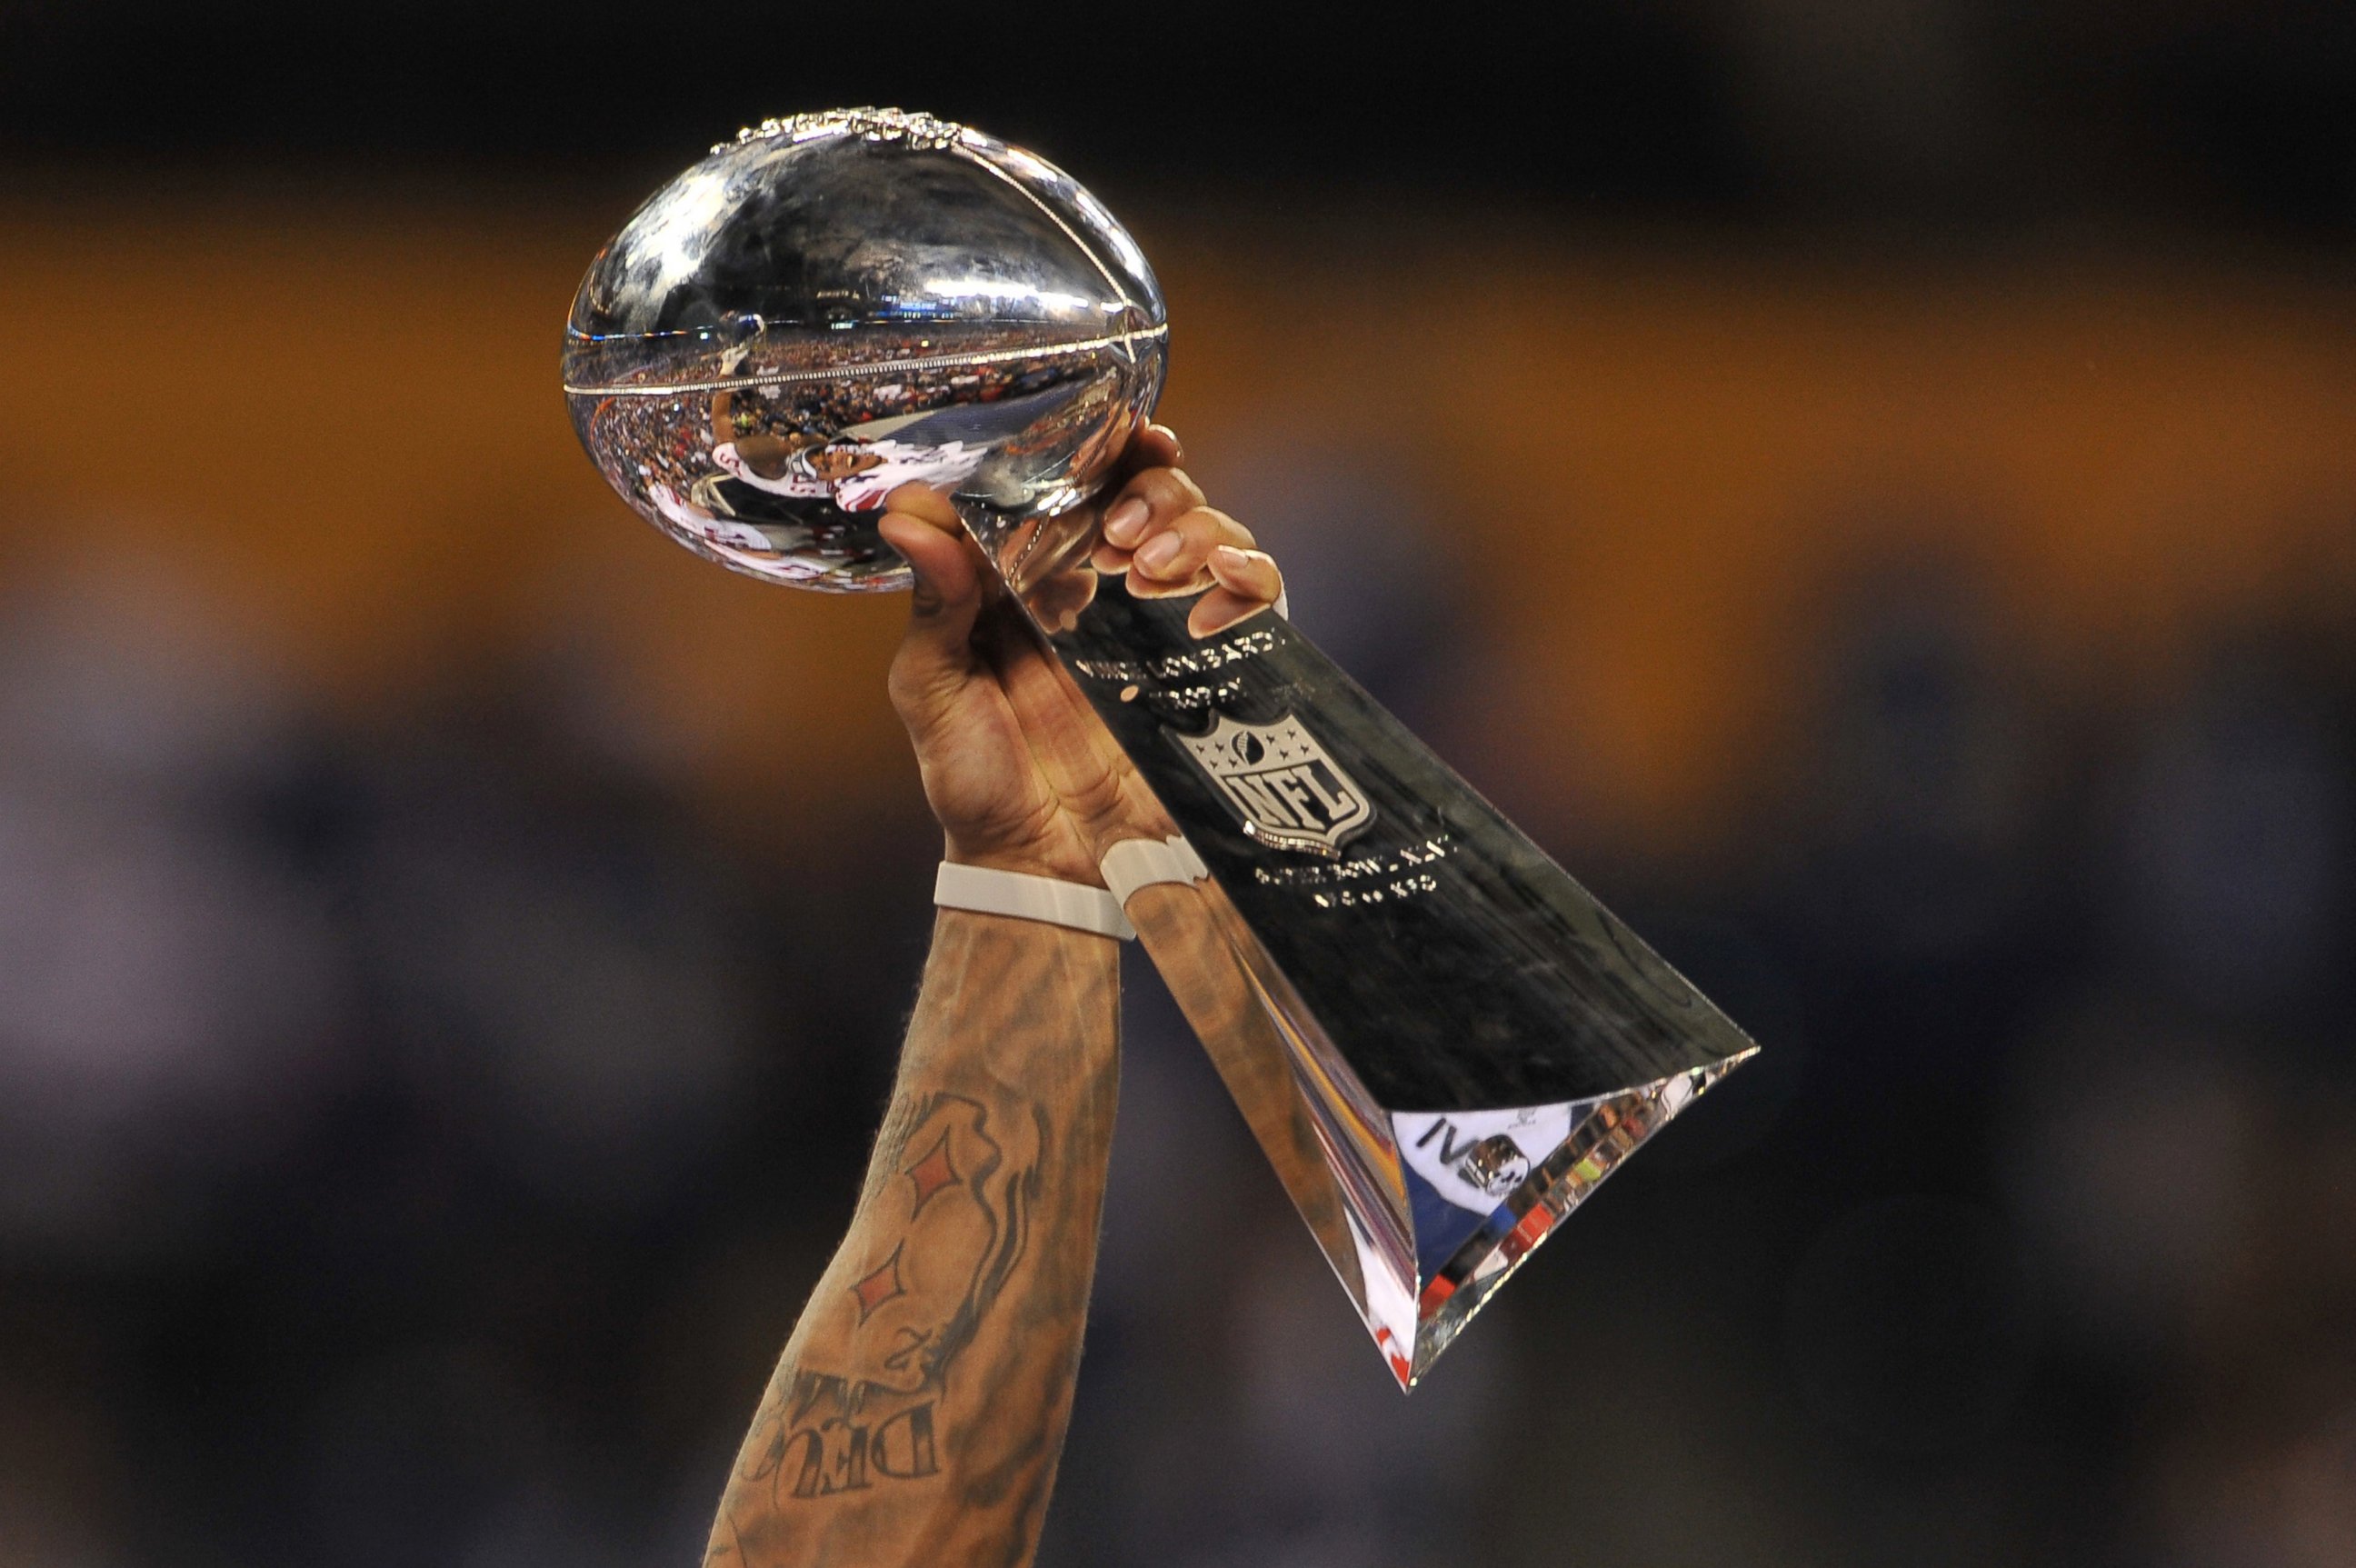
707	525
857	468
918	1411
734	540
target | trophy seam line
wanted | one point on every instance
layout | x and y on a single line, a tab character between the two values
1056	218
837	372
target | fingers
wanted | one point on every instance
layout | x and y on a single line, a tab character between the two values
1156	447
1247	574
1175	557
1158	529
1169	553
1246	582
1175	560
1152	500
936	657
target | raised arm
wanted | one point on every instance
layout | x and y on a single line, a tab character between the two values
918	1411
920	1406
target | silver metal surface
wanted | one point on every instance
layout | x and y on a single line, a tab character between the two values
834	304
1443	1042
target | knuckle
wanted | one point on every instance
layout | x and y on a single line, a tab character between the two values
1168	491
1197	532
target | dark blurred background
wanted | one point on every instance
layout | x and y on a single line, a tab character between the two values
1869	485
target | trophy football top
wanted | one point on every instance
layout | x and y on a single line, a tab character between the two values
834	304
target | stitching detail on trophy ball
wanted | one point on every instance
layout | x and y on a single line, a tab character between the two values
917	129
874	367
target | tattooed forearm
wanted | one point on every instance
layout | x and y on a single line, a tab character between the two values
963	1237
920	1406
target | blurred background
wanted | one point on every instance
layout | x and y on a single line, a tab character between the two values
1869	485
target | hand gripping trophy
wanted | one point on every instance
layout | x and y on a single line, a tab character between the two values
1440	1040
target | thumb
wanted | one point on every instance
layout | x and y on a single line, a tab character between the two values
936	656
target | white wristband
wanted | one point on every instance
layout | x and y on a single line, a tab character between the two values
1026	898
1144	862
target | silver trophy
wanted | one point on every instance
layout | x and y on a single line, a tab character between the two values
1443	1042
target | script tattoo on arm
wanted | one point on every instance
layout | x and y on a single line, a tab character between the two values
918	1411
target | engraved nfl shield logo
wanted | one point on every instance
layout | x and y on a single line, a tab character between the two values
1283	785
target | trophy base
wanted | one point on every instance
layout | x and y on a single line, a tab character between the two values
1463	1256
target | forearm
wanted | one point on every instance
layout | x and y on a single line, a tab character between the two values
918	1411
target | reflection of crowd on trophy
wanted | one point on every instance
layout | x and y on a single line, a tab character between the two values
890	389
1083	413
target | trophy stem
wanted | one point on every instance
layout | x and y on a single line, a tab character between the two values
1442	1043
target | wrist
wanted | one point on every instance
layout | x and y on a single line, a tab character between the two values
1064	862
